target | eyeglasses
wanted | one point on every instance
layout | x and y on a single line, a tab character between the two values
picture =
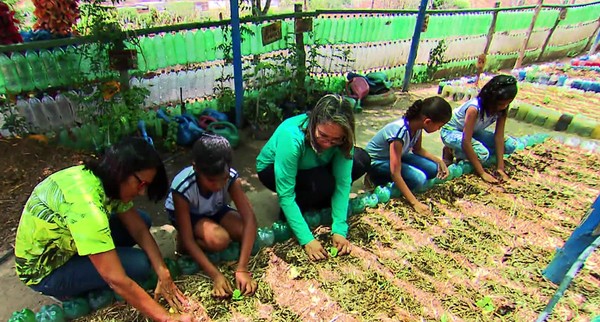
324	138
141	183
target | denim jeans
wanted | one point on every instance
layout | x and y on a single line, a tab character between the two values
415	171
78	275
482	142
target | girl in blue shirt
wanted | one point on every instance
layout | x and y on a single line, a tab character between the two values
466	136
397	154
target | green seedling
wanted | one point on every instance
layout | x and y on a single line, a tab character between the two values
333	251
237	295
486	304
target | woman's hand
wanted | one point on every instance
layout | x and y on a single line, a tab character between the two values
342	244
489	178
221	286
167	289
315	251
442	170
245	283
503	175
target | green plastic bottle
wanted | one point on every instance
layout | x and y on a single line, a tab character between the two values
38	70
383	194
9	76
76	307
50	313
281	231
24	71
200	45
219	40
190	47
210	45
180	47
265	236
161	54
188	265
100	298
147	57
371	200
169	44
313	218
231	253
51	67
173	267
25	315
358	205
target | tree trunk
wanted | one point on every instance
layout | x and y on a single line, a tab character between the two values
258	9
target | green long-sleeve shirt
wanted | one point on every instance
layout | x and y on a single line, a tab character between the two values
288	151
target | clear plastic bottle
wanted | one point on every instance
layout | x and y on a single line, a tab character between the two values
65	109
42	122
22	107
51	110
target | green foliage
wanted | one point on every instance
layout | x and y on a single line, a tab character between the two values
460	4
435	63
181	8
13	122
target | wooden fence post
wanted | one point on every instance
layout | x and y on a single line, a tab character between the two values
561	16
538	8
488	43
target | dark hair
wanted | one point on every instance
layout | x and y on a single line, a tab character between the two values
212	154
122	160
499	88
333	108
435	108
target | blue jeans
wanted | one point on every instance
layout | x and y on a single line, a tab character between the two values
482	141
78	275
415	171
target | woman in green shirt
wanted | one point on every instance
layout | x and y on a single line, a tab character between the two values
311	161
78	226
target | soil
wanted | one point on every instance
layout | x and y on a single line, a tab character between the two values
24	163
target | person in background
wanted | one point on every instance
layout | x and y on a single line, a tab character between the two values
466	136
198	207
397	153
311	162
78	227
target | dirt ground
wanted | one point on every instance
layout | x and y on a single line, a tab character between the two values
25	162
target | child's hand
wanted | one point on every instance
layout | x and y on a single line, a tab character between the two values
503	175
245	283
221	287
342	244
442	170
315	251
489	178
421	208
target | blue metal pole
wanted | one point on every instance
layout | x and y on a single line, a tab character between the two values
236	42
414	46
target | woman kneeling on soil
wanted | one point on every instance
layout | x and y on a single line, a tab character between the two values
397	153
78	227
466	136
311	161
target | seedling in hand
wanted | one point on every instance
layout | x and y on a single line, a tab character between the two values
237	295
333	251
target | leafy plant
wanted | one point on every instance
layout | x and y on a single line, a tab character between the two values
13	122
237	295
486	304
434	63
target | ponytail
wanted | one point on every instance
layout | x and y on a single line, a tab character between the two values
434	108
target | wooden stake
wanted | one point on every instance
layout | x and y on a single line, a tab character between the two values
538	8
